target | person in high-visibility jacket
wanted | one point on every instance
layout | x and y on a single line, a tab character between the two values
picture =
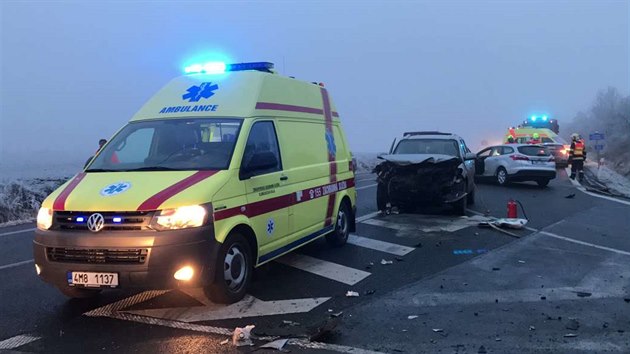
535	139
577	156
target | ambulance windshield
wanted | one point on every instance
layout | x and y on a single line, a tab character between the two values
174	144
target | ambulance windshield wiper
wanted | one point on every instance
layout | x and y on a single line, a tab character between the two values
154	168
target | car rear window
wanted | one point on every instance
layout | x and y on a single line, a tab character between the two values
533	150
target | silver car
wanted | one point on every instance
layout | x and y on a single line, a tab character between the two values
516	163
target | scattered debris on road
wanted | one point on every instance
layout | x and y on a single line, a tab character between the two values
369	292
570	196
326	329
573	324
496	268
242	336
336	314
351	293
570	335
411	317
482	350
583	294
276	344
532	328
521	261
438	330
385	262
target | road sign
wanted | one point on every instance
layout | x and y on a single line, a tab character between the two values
596	136
598	147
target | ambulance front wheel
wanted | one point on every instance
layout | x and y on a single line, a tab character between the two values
233	271
339	236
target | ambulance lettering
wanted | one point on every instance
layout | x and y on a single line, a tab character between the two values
197	108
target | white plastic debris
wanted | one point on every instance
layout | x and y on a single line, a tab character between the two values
411	317
521	261
351	293
438	330
385	262
276	344
242	336
511	223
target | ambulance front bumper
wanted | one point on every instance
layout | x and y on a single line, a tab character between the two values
142	259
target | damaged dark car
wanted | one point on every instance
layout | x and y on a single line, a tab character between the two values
425	169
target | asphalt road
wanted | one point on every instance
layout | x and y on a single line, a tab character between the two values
559	287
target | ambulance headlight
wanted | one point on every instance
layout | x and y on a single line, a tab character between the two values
180	218
44	218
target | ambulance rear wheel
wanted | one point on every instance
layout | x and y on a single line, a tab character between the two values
78	293
233	271
339	236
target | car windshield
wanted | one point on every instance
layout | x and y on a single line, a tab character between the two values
174	144
428	146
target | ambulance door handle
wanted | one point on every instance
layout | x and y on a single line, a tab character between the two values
284	178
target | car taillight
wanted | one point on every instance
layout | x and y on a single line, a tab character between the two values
519	157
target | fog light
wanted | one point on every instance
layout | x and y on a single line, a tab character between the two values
38	270
186	273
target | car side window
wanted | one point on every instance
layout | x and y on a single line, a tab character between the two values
262	139
507	150
484	153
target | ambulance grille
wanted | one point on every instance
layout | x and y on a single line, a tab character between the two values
104	256
129	221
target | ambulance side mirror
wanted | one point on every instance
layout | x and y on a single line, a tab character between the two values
260	162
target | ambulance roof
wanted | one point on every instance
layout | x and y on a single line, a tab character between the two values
530	131
240	94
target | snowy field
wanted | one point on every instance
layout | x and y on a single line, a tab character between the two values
617	183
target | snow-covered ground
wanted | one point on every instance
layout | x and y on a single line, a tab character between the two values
366	161
614	181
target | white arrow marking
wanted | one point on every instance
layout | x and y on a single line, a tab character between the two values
248	307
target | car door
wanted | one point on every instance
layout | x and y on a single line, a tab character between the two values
268	197
492	162
505	160
480	163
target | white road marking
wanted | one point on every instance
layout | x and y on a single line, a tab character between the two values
366	216
583	190
17	232
614	250
17	341
366	187
124	303
382	246
248	307
16	264
583	243
324	268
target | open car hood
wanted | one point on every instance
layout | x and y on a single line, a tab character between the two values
412	159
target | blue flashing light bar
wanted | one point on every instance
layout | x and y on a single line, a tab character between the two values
80	219
533	118
220	67
117	219
544	118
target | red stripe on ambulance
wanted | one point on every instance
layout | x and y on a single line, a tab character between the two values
331	155
284	201
60	201
156	200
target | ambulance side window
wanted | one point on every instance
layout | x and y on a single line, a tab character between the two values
262	141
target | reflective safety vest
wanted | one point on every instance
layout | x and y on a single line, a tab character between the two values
578	150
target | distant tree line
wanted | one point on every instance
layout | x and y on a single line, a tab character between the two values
609	114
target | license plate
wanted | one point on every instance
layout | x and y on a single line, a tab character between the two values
537	162
93	280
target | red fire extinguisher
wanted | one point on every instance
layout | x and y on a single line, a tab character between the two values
512	211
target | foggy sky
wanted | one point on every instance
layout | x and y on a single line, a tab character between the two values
73	72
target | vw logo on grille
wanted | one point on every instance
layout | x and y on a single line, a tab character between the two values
96	222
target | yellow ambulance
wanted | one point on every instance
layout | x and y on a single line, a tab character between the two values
226	168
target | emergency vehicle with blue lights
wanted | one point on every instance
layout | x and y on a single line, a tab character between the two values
224	169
